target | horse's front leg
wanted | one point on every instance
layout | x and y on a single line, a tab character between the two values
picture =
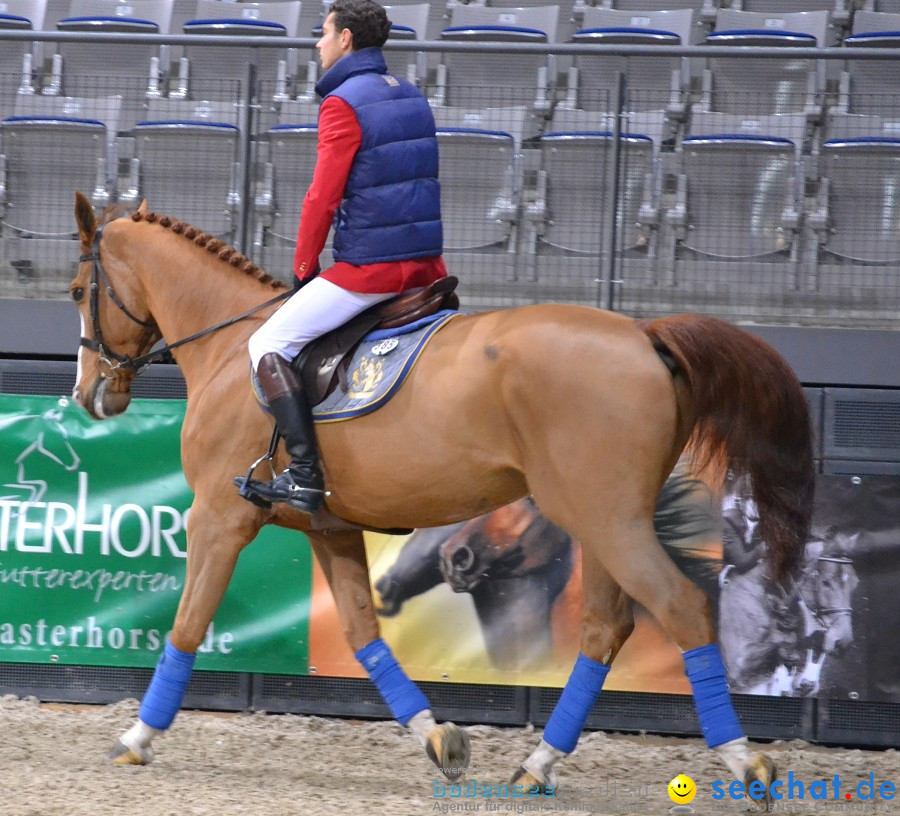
213	550
342	557
607	623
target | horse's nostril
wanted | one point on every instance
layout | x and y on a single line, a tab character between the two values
463	558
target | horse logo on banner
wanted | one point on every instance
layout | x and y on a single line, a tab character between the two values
50	451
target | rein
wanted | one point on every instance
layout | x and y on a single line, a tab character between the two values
123	361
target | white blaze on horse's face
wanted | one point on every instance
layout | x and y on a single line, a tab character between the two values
751	518
103	388
76	391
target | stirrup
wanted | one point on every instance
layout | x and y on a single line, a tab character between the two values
243	483
283	490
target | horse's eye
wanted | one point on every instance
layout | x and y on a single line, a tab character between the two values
77	294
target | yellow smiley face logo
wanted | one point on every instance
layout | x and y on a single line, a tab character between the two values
682	789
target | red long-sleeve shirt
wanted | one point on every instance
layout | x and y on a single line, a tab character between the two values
339	138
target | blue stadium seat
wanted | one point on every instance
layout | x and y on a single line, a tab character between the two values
472	80
221	72
871	86
653	83
569	216
52	146
740	189
774	86
19	61
131	71
187	164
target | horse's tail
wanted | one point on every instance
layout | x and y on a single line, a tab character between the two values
749	415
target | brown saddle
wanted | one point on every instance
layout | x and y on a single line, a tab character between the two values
323	363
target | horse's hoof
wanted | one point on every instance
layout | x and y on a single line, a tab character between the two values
531	785
449	749
121	754
762	768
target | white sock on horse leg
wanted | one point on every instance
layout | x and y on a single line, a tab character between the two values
540	763
736	755
140	735
421	724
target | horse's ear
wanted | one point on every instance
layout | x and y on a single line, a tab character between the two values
143	209
84	216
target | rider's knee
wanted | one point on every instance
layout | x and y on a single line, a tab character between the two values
258	345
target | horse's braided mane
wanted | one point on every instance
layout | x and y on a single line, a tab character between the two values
211	244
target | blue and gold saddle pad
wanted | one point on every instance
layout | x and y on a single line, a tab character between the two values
380	364
378	367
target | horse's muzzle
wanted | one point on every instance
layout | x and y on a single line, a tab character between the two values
391	596
102	402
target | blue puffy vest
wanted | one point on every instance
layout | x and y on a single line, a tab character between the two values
391	210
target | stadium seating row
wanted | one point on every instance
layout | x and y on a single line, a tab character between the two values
139	73
739	192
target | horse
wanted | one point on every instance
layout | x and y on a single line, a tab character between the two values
514	564
519	569
826	586
587	411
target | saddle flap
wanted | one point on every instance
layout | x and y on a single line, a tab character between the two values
319	363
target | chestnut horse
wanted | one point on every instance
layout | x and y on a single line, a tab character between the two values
586	410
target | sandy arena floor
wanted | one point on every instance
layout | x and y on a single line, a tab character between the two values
53	762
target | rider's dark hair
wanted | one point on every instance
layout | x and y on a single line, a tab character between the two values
366	19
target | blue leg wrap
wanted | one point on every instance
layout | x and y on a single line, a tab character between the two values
571	710
163	698
706	671
403	697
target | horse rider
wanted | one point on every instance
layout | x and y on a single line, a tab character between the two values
376	180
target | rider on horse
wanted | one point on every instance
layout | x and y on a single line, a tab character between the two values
376	180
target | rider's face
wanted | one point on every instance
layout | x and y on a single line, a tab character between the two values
333	44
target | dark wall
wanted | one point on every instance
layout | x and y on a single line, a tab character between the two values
852	357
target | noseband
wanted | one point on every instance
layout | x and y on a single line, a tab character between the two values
96	343
820	612
124	361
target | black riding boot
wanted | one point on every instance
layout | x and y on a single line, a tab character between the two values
301	485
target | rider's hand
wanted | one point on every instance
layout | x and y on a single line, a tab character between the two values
299	284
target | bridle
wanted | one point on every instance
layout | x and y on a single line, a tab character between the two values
820	612
140	362
97	343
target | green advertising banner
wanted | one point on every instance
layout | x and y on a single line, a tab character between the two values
93	547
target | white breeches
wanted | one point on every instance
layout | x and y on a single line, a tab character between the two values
318	307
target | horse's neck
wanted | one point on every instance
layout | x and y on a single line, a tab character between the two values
193	293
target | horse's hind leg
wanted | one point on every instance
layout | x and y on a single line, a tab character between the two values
342	557
212	554
639	564
606	625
